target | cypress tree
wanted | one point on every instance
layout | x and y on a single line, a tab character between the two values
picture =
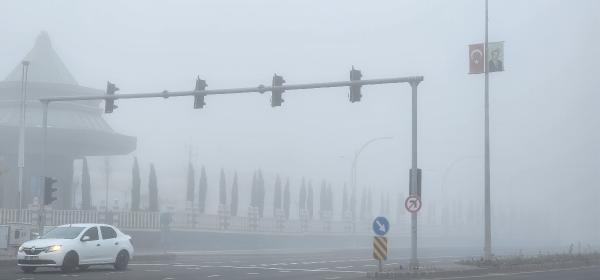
153	190
302	199
135	186
345	200
253	191
190	183
202	190
86	196
234	195
277	195
309	201
363	205
330	198
222	189
286	199
261	193
353	204
322	199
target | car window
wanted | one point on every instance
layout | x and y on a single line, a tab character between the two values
63	233
108	232
92	233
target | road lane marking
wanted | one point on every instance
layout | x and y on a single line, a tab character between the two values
253	273
299	269
214	275
332	278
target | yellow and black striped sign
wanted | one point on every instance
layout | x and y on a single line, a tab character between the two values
380	248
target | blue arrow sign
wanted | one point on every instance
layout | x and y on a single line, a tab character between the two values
381	226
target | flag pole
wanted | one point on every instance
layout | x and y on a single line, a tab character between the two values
488	228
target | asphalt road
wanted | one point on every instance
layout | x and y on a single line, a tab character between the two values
326	265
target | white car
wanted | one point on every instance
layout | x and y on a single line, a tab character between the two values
73	246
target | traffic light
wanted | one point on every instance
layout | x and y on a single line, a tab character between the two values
49	190
276	98
199	97
109	104
355	75
418	175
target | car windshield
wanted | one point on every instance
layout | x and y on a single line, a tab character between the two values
63	233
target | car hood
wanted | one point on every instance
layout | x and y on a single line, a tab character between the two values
42	243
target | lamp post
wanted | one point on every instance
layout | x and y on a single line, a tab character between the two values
353	171
21	163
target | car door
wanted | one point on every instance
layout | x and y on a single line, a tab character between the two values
89	249
110	244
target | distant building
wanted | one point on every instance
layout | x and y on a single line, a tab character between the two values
75	129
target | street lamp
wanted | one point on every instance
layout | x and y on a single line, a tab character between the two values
353	170
21	151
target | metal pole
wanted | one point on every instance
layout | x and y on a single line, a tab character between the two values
488	226
107	173
259	89
44	171
21	164
414	261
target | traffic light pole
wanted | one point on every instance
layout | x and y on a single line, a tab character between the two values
413	81
413	188
259	89
44	172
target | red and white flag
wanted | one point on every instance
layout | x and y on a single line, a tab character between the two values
476	59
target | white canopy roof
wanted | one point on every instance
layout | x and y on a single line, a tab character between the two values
44	65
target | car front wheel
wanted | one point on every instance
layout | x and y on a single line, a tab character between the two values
122	260
70	262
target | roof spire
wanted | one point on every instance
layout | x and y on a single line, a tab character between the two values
45	65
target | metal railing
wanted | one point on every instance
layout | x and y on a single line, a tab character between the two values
192	219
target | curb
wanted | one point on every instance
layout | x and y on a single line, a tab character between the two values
468	272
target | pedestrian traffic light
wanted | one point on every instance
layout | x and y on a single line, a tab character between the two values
276	98
49	190
199	97
109	103
355	75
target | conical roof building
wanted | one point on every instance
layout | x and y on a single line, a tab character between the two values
75	129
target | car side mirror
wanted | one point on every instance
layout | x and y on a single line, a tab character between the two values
85	238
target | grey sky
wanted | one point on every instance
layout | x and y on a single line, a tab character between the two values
544	116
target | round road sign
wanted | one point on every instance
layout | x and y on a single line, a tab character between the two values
381	226
413	204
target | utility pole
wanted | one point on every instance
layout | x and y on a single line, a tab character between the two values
414	171
22	124
487	249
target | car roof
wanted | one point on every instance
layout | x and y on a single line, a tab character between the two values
84	225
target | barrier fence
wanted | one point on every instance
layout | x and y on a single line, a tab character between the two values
192	219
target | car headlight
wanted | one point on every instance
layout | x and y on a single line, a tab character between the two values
53	248
21	248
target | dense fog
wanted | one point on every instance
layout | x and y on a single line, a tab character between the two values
545	155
